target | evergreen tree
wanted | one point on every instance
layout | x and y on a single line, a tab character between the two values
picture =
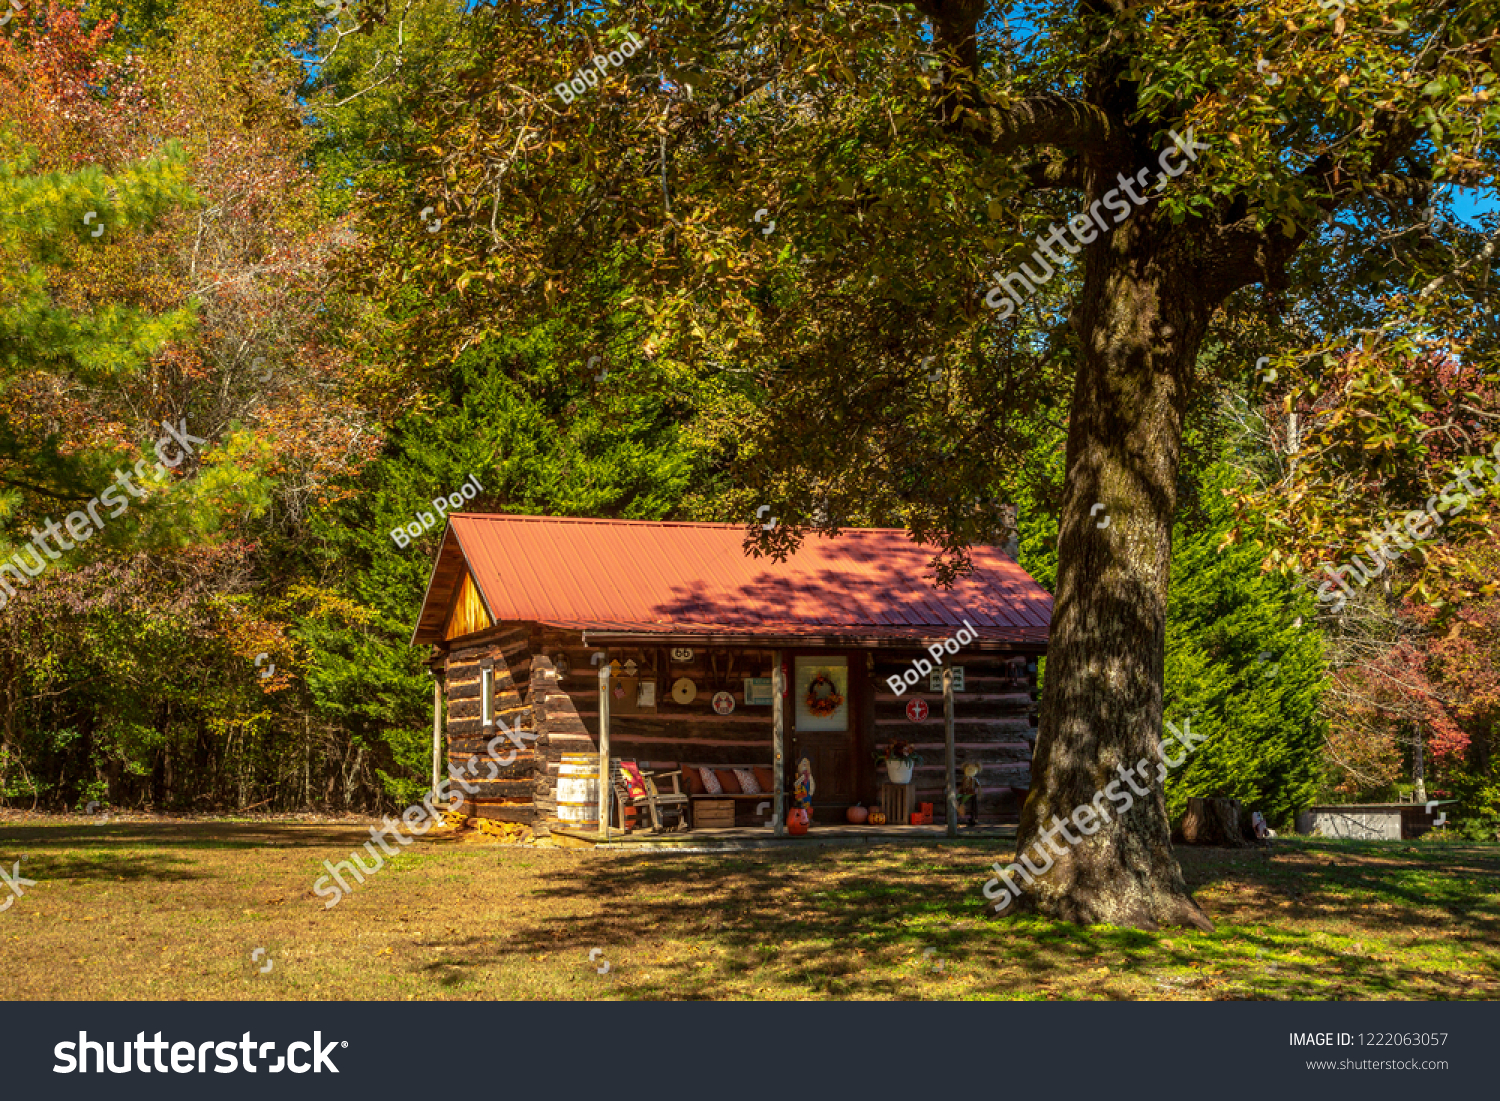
1245	666
538	442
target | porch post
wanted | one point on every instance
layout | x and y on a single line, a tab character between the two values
604	789
778	741
948	755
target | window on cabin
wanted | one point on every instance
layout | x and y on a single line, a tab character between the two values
487	695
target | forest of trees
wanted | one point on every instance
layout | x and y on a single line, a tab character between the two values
352	254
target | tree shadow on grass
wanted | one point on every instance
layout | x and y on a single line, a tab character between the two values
152	851
857	923
820	923
191	835
126	866
1348	881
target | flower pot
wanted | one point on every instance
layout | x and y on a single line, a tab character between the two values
899	771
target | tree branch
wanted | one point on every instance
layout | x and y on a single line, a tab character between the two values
1045	120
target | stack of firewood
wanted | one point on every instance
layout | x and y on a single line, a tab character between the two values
512	833
465	828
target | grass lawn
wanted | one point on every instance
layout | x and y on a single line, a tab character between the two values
176	910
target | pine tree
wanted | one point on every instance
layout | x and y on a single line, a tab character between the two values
537	443
1244	665
48	223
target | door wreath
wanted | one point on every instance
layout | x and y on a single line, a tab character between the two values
823	697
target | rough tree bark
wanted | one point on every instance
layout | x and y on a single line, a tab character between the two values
1149	291
1141	322
1216	822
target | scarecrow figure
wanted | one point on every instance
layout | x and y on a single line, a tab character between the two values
969	793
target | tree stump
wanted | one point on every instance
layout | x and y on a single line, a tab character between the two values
1215	822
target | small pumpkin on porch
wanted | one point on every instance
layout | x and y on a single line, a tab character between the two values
877	817
857	814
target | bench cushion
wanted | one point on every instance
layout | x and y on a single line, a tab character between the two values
631	775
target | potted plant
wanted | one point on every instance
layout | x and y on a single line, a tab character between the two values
899	759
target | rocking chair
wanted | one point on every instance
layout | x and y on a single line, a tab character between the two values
656	801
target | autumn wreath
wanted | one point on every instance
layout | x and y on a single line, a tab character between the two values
823	697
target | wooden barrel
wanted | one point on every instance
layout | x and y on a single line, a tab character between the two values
578	789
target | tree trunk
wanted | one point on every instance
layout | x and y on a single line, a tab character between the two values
1418	771
1140	329
1216	822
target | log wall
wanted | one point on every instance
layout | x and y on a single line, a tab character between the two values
559	714
503	782
992	726
567	708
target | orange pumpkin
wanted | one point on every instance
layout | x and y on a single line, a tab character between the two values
877	818
796	822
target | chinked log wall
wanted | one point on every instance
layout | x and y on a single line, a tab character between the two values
567	709
990	727
991	724
503	782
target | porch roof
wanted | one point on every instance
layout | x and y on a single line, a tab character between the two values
627	580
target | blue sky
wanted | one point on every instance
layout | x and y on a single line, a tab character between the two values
1469	204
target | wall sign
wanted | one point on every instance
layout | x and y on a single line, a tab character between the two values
916	710
682	654
758	692
684	691
935	679
723	703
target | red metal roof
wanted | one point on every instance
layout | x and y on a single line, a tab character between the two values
619	577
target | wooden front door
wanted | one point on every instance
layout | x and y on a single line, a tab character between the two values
827	740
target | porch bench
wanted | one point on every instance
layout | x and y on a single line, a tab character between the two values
699	798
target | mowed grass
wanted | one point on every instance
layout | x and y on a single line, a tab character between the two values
177	911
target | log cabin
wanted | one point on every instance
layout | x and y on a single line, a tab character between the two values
580	642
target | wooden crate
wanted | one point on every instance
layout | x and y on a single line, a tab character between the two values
896	801
712	813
